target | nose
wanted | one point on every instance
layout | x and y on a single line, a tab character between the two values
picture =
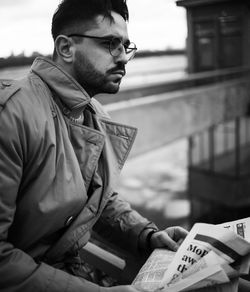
122	57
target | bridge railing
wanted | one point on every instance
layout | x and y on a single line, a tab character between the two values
196	103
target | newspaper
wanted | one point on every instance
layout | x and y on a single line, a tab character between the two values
210	255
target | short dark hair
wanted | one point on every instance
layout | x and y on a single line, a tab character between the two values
71	12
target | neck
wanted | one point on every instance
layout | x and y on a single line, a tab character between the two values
68	69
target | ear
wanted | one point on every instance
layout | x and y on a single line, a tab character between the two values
64	48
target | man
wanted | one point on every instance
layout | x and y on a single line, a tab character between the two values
61	155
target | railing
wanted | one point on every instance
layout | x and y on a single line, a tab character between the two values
222	149
179	81
201	101
117	264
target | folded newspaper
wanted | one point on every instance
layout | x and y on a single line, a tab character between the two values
210	256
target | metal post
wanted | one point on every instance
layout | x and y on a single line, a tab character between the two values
237	147
190	151
211	148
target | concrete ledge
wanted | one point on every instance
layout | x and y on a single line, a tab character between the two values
165	117
175	81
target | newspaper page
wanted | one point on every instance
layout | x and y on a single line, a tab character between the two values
222	272
203	259
204	278
200	241
210	259
240	227
150	276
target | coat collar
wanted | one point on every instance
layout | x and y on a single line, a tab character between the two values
70	92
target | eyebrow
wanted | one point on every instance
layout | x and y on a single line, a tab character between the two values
115	36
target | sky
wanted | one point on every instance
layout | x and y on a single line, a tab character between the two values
25	25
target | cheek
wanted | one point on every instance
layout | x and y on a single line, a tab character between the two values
94	60
102	64
101	59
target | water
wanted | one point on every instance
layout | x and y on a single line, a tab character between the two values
139	70
14	72
155	184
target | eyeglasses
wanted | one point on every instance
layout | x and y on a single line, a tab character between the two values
115	45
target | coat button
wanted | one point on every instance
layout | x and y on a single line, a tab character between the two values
69	220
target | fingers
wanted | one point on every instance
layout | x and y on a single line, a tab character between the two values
170	243
171	237
179	242
180	233
162	239
177	233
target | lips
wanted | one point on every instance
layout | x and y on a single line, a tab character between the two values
119	72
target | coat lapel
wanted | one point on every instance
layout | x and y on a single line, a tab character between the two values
118	142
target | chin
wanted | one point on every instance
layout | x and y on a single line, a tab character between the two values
112	88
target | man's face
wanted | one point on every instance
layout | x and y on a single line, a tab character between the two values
93	65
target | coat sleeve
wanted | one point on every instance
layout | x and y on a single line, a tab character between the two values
18	271
123	225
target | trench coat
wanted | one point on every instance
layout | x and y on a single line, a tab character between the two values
57	179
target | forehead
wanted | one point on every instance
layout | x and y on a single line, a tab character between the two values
102	26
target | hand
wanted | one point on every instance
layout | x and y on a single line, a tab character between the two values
124	288
171	237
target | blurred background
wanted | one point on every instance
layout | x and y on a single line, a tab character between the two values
187	91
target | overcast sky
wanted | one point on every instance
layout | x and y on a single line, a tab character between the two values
25	25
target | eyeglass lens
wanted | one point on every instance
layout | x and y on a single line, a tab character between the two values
116	48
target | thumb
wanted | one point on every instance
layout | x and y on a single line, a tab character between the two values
170	243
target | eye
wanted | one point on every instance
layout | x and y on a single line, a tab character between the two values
115	43
126	45
106	43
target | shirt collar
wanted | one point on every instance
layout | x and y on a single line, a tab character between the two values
70	92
